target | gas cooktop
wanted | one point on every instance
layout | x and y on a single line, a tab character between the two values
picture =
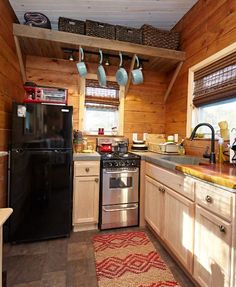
119	160
118	156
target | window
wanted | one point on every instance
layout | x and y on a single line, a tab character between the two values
215	113
101	107
214	93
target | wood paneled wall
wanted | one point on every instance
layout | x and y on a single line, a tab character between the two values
144	108
11	88
207	28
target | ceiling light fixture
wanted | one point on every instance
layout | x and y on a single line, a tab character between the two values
107	63
71	58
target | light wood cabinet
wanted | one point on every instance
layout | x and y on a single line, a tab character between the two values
212	252
197	222
85	195
169	213
154	202
179	226
214	262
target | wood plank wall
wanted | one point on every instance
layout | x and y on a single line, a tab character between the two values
207	28
144	108
11	88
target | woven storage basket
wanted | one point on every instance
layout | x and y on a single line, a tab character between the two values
160	38
70	25
99	29
128	34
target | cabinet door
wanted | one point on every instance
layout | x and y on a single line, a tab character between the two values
212	250
178	226
154	204
85	202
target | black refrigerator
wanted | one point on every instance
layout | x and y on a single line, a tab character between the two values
40	172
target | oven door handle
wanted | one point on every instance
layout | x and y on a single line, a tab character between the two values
134	206
121	171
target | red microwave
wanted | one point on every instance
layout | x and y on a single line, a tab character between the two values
45	95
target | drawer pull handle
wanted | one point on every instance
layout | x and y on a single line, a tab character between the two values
96	179
87	169
208	199
222	228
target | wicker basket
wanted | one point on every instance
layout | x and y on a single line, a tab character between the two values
70	25
160	38
99	29
128	34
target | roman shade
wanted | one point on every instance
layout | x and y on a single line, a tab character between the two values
215	82
102	98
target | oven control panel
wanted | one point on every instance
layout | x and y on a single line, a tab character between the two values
120	163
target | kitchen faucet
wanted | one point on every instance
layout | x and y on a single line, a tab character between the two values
212	155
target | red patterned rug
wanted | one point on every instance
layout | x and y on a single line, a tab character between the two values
129	259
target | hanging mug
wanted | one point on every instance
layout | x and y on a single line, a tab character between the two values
81	67
121	74
136	74
101	72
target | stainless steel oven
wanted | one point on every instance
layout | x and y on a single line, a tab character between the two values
120	185
119	190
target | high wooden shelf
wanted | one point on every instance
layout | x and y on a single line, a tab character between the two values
50	43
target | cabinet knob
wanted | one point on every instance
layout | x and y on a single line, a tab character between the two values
222	228
208	198
87	169
96	179
161	189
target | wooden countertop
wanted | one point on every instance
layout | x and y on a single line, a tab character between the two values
222	174
4	214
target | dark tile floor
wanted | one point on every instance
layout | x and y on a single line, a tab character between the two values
65	262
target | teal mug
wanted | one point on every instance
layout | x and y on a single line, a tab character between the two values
81	67
136	74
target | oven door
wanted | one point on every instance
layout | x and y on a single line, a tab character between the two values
120	185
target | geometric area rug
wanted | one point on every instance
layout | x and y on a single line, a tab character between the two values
129	259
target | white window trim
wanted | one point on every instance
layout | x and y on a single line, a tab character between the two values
82	85
222	53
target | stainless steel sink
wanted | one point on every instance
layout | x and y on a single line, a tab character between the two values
192	160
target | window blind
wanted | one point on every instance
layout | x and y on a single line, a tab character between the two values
216	81
102	98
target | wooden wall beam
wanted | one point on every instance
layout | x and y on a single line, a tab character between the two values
20	57
175	74
130	75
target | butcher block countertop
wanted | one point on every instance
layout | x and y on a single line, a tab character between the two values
221	174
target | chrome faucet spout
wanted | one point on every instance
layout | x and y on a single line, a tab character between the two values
212	153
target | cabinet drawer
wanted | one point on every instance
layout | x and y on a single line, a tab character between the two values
180	183
86	168
215	199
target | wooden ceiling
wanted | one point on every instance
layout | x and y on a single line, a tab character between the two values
162	14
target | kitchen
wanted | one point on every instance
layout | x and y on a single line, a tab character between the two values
206	29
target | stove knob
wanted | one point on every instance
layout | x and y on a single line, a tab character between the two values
127	163
122	163
133	163
116	164
110	164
